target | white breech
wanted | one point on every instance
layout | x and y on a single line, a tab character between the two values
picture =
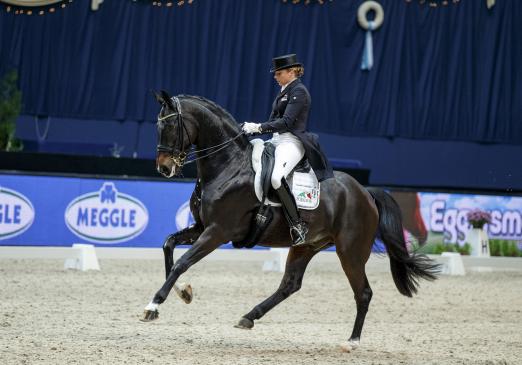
287	156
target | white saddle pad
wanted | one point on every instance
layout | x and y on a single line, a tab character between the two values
305	187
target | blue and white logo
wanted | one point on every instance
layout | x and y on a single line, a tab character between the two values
16	213
184	217
106	216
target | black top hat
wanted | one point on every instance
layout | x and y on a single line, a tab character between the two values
286	61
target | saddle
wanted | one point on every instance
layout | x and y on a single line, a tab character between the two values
302	180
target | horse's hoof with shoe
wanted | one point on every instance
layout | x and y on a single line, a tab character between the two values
349	346
149	315
184	291
245	324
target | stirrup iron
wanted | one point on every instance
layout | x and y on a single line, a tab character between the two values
298	234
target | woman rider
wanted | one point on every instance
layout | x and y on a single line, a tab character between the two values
288	122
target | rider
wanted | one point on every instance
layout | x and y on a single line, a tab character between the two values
288	122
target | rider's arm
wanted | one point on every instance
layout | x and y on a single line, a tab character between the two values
272	116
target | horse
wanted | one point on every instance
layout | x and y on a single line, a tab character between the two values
224	203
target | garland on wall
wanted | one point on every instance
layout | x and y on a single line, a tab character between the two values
434	3
306	2
438	3
34	7
42	7
30	3
167	3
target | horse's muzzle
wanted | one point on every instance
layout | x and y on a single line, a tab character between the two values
165	165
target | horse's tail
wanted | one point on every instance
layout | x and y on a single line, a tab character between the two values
406	268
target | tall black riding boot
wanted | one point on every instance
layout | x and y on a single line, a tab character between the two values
298	228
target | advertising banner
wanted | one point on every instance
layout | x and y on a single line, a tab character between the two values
60	211
442	217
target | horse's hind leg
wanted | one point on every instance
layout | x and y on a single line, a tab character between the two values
296	263
353	263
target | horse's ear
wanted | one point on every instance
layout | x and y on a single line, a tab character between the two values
167	100
165	95
158	97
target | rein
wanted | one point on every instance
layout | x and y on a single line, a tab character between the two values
221	145
180	159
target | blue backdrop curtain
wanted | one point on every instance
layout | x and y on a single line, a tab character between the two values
451	72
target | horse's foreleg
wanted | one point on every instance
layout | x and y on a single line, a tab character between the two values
296	263
205	244
186	236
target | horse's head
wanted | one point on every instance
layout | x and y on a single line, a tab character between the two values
174	139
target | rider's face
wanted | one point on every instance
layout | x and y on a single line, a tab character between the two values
284	76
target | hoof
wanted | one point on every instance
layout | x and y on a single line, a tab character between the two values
185	293
149	316
349	346
245	324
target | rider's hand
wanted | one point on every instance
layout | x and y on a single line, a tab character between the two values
251	128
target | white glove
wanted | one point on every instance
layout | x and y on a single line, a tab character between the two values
251	128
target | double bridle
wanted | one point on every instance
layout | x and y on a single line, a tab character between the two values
180	158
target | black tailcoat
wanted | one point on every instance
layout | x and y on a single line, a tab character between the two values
290	114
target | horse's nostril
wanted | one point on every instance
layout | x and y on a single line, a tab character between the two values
164	170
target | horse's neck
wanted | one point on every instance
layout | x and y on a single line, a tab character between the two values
230	158
211	169
225	162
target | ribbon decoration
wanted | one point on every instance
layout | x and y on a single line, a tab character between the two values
369	26
367	58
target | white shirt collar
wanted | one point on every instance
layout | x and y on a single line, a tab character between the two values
285	85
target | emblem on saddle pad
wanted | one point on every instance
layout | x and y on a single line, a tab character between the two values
305	187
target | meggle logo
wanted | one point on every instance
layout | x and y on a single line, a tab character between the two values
106	216
16	213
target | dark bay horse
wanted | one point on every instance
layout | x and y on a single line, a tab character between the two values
349	216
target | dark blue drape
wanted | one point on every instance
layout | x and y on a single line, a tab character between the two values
451	72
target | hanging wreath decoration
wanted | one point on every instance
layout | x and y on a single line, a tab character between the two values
362	15
369	26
